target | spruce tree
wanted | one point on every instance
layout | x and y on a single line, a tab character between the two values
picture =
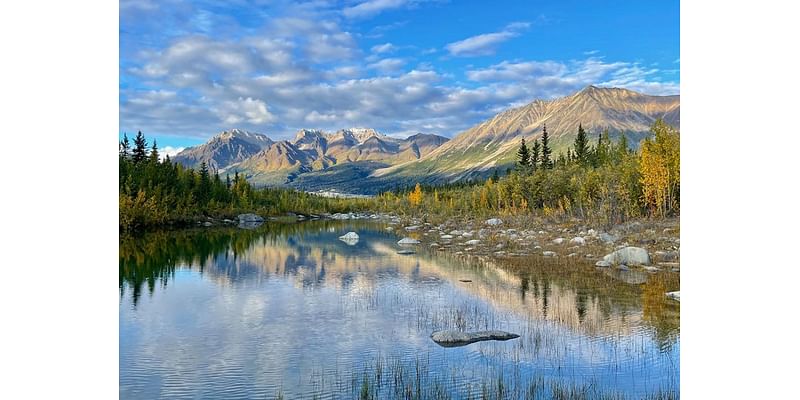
523	157
154	153
495	176
546	151
125	146
139	149
535	149
581	146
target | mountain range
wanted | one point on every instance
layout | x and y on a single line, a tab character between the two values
362	160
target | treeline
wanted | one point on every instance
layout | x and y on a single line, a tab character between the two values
604	181
155	192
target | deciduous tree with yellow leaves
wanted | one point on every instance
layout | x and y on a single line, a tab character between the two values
415	197
659	163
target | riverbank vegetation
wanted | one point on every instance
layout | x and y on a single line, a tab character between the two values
603	183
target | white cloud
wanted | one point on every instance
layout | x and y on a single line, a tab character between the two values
383	48
169	151
253	111
485	44
370	8
388	65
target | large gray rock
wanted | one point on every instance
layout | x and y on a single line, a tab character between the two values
629	255
407	241
456	338
250	218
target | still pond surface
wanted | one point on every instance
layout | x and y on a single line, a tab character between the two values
289	310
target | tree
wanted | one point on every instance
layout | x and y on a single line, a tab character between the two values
139	149
154	153
659	161
495	176
535	149
523	157
581	146
125	146
546	150
204	184
415	197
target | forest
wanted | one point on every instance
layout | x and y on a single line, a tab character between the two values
601	181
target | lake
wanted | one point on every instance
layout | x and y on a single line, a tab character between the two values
289	311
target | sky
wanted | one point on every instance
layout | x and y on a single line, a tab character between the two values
191	69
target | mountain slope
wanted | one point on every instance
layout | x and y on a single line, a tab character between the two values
493	143
223	150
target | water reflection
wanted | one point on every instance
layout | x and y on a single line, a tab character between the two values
290	308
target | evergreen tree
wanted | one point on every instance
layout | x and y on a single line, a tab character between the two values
228	181
523	157
495	176
535	149
581	146
204	184
546	150
139	149
125	146
154	153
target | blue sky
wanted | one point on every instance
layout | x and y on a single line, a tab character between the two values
190	69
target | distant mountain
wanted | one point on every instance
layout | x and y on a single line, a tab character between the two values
493	143
223	150
267	162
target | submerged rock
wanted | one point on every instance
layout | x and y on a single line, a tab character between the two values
455	338
250	218
629	255
407	241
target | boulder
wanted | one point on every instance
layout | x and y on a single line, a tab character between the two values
494	221
629	255
578	240
250	218
407	241
456	338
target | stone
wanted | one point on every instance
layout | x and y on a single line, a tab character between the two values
558	240
592	232
207	223
572	254
250	218
407	241
629	255
456	338
406	252
674	295
602	263
649	268
494	221
456	232
412	228
549	254
472	242
578	240
623	267
608	238
350	238
446	237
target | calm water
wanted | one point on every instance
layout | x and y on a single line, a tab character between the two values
290	309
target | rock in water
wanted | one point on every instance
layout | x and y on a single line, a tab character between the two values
250	218
406	252
494	221
350	238
629	255
456	338
407	241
